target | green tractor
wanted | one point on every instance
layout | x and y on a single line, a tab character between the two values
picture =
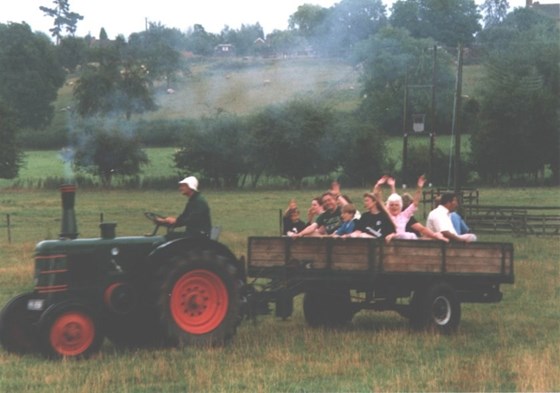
136	291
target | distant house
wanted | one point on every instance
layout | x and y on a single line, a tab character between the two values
224	50
550	10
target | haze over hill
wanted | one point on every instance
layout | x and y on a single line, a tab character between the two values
244	90
244	86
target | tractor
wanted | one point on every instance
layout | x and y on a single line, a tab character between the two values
157	289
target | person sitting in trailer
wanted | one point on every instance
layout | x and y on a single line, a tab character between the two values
439	219
375	222
328	222
291	222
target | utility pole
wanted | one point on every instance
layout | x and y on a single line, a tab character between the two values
405	131
433	113
457	115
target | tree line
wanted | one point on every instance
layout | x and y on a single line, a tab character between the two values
512	119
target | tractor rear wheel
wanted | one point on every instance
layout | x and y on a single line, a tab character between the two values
70	330
17	326
198	299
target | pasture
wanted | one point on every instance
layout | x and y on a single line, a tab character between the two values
508	346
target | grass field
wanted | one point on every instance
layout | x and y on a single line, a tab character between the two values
509	346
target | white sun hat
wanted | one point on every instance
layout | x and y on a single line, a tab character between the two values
190	181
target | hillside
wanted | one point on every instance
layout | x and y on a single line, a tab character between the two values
243	86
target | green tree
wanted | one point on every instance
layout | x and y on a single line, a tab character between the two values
64	19
103	35
30	75
217	150
494	11
291	140
308	20
450	22
286	42
109	153
118	84
392	59
350	22
362	148
199	41
11	156
72	52
519	98
158	49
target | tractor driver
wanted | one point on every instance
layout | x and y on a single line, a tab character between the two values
196	216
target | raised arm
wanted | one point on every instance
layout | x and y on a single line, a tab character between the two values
291	205
391	183
419	187
376	190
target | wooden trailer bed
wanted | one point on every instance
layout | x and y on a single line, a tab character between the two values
375	256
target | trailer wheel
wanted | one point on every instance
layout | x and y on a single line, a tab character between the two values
199	299
70	330
437	309
17	326
327	307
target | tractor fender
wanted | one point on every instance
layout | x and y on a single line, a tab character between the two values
183	245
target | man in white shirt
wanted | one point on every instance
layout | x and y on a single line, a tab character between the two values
439	219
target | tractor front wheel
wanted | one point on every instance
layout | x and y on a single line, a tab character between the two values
70	330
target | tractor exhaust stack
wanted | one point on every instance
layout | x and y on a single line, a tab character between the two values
68	227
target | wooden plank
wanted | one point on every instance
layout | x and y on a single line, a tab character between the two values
474	251
391	263
406	258
312	251
267	252
350	254
473	265
477	258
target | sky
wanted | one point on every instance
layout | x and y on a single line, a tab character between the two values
129	16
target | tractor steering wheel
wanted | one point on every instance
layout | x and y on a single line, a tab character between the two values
153	217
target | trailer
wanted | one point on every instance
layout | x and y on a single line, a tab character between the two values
423	280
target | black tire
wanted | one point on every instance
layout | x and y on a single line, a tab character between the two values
69	330
436	309
198	299
327	307
18	332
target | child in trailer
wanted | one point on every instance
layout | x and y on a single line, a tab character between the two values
347	215
292	224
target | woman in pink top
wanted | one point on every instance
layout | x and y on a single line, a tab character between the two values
394	206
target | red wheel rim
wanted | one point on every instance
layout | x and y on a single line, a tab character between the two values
72	333
199	302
